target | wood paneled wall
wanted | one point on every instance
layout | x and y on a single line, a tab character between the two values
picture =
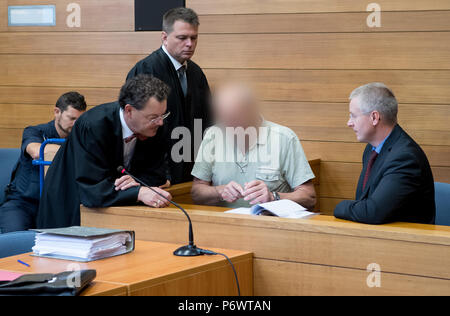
303	56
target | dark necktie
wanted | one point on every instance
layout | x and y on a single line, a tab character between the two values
373	157
183	79
130	138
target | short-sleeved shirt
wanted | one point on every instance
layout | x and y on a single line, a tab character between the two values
277	158
25	179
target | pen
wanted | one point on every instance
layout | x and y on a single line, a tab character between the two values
24	263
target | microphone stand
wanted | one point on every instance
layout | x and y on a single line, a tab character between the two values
189	250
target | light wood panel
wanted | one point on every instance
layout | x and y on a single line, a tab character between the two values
23	115
326	51
404	21
424	50
96	15
296	6
401	249
352	152
410	86
339	179
10	138
80	43
3	13
413	116
327	205
285	278
427	124
48	95
69	71
105	289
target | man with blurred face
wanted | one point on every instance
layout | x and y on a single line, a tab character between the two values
396	183
22	199
124	133
246	160
190	93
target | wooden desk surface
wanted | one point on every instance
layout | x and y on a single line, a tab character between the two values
320	255
151	264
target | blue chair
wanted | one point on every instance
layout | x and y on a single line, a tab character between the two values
442	197
41	161
16	243
8	160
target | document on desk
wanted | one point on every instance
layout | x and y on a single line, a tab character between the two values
281	208
82	243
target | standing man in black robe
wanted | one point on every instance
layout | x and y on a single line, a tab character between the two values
190	94
124	133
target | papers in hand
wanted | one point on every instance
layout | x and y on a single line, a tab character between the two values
281	208
82	243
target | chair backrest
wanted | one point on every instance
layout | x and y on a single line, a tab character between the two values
50	152
16	243
8	159
442	197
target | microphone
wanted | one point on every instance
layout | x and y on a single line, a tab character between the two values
190	250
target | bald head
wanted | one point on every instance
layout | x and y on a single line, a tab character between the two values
235	105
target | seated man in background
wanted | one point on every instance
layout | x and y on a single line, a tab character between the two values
266	163
124	133
22	196
396	183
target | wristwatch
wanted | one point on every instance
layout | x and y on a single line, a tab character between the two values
276	196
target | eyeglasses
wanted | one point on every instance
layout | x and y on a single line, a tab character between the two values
162	117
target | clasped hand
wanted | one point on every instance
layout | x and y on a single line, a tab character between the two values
255	192
146	196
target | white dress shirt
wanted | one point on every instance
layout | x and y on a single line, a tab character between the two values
175	62
182	75
128	148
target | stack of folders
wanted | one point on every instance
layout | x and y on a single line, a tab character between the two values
82	244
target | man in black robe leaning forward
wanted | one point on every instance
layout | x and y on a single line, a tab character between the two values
124	133
190	94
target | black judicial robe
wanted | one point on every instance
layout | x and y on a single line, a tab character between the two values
85	168
182	110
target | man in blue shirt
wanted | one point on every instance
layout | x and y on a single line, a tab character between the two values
22	196
396	182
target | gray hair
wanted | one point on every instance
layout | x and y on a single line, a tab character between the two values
378	97
179	14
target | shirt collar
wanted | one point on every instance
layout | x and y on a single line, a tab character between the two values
175	62
380	146
126	131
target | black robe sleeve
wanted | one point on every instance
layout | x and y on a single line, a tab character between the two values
83	172
94	173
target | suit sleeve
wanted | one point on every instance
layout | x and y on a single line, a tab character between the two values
31	134
94	174
398	183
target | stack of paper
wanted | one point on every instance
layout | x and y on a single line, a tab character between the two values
84	247
281	208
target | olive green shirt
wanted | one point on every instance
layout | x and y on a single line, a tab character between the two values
276	157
